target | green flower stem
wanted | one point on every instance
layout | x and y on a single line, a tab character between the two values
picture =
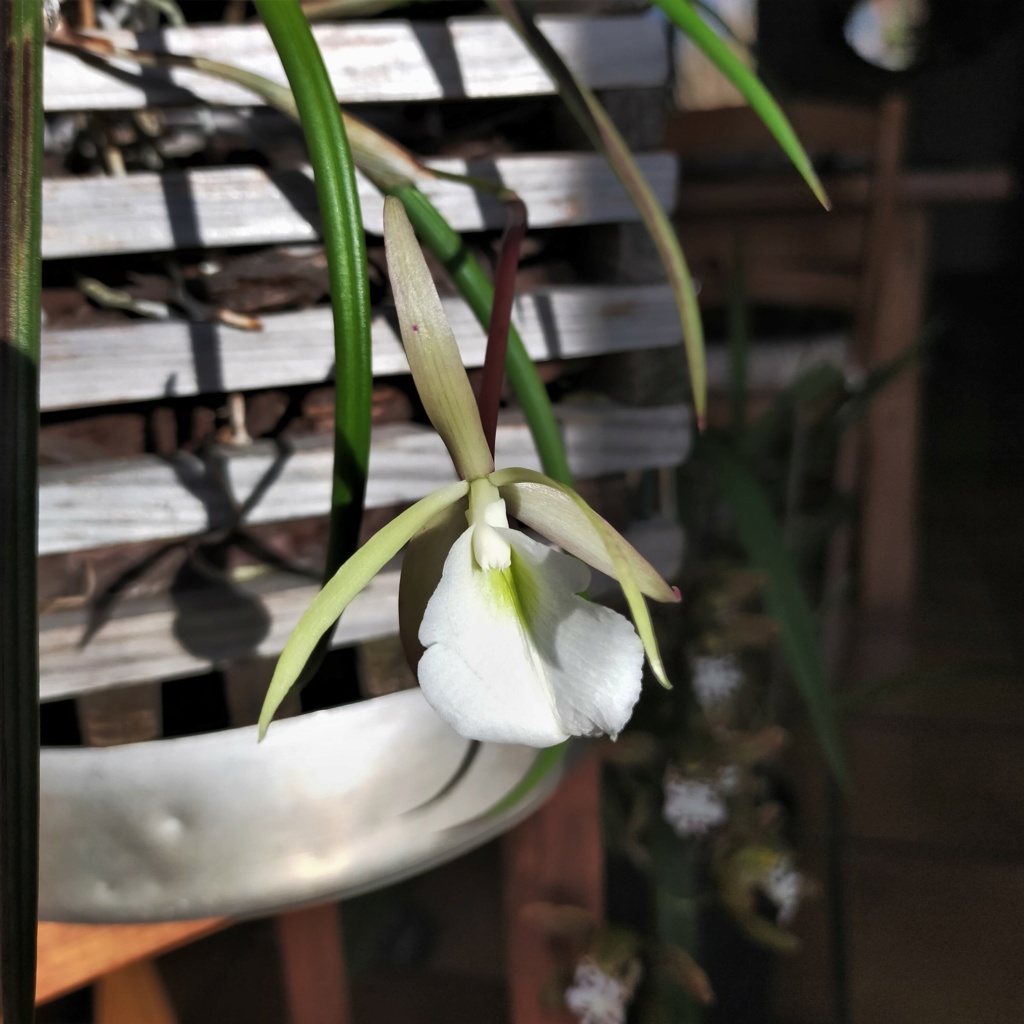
345	244
447	246
21	33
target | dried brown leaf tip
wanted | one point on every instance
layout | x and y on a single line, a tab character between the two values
679	967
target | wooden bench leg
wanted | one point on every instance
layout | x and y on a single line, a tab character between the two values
313	957
133	995
888	556
555	856
309	941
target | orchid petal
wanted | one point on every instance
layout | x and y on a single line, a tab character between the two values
336	595
514	656
617	549
556	516
422	565
431	349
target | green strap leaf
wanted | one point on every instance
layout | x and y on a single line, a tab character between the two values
21	150
343	586
345	244
607	140
761	536
686	18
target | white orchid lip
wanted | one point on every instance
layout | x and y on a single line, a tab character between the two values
564	518
504	648
515	656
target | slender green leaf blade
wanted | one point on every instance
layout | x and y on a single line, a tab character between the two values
607	140
761	536
547	761
345	244
343	586
21	134
683	14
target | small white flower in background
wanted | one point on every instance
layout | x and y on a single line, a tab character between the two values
599	998
784	887
885	32
692	807
504	648
729	778
716	679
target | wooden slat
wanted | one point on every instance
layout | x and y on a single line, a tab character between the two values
313	959
155	360
149	498
774	363
74	955
142	641
888	542
788	240
224	206
379	61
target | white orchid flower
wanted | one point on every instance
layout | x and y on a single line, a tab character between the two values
504	648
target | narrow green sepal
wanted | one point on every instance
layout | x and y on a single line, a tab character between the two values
348	581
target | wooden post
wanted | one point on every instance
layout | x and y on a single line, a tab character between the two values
313	957
133	995
309	941
108	718
555	856
889	322
889	529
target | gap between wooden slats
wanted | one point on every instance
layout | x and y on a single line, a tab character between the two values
373	62
149	498
226	206
139	642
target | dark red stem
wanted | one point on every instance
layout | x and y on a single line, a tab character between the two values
501	319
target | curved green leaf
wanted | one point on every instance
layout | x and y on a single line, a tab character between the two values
345	244
343	586
607	140
761	536
21	150
686	18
